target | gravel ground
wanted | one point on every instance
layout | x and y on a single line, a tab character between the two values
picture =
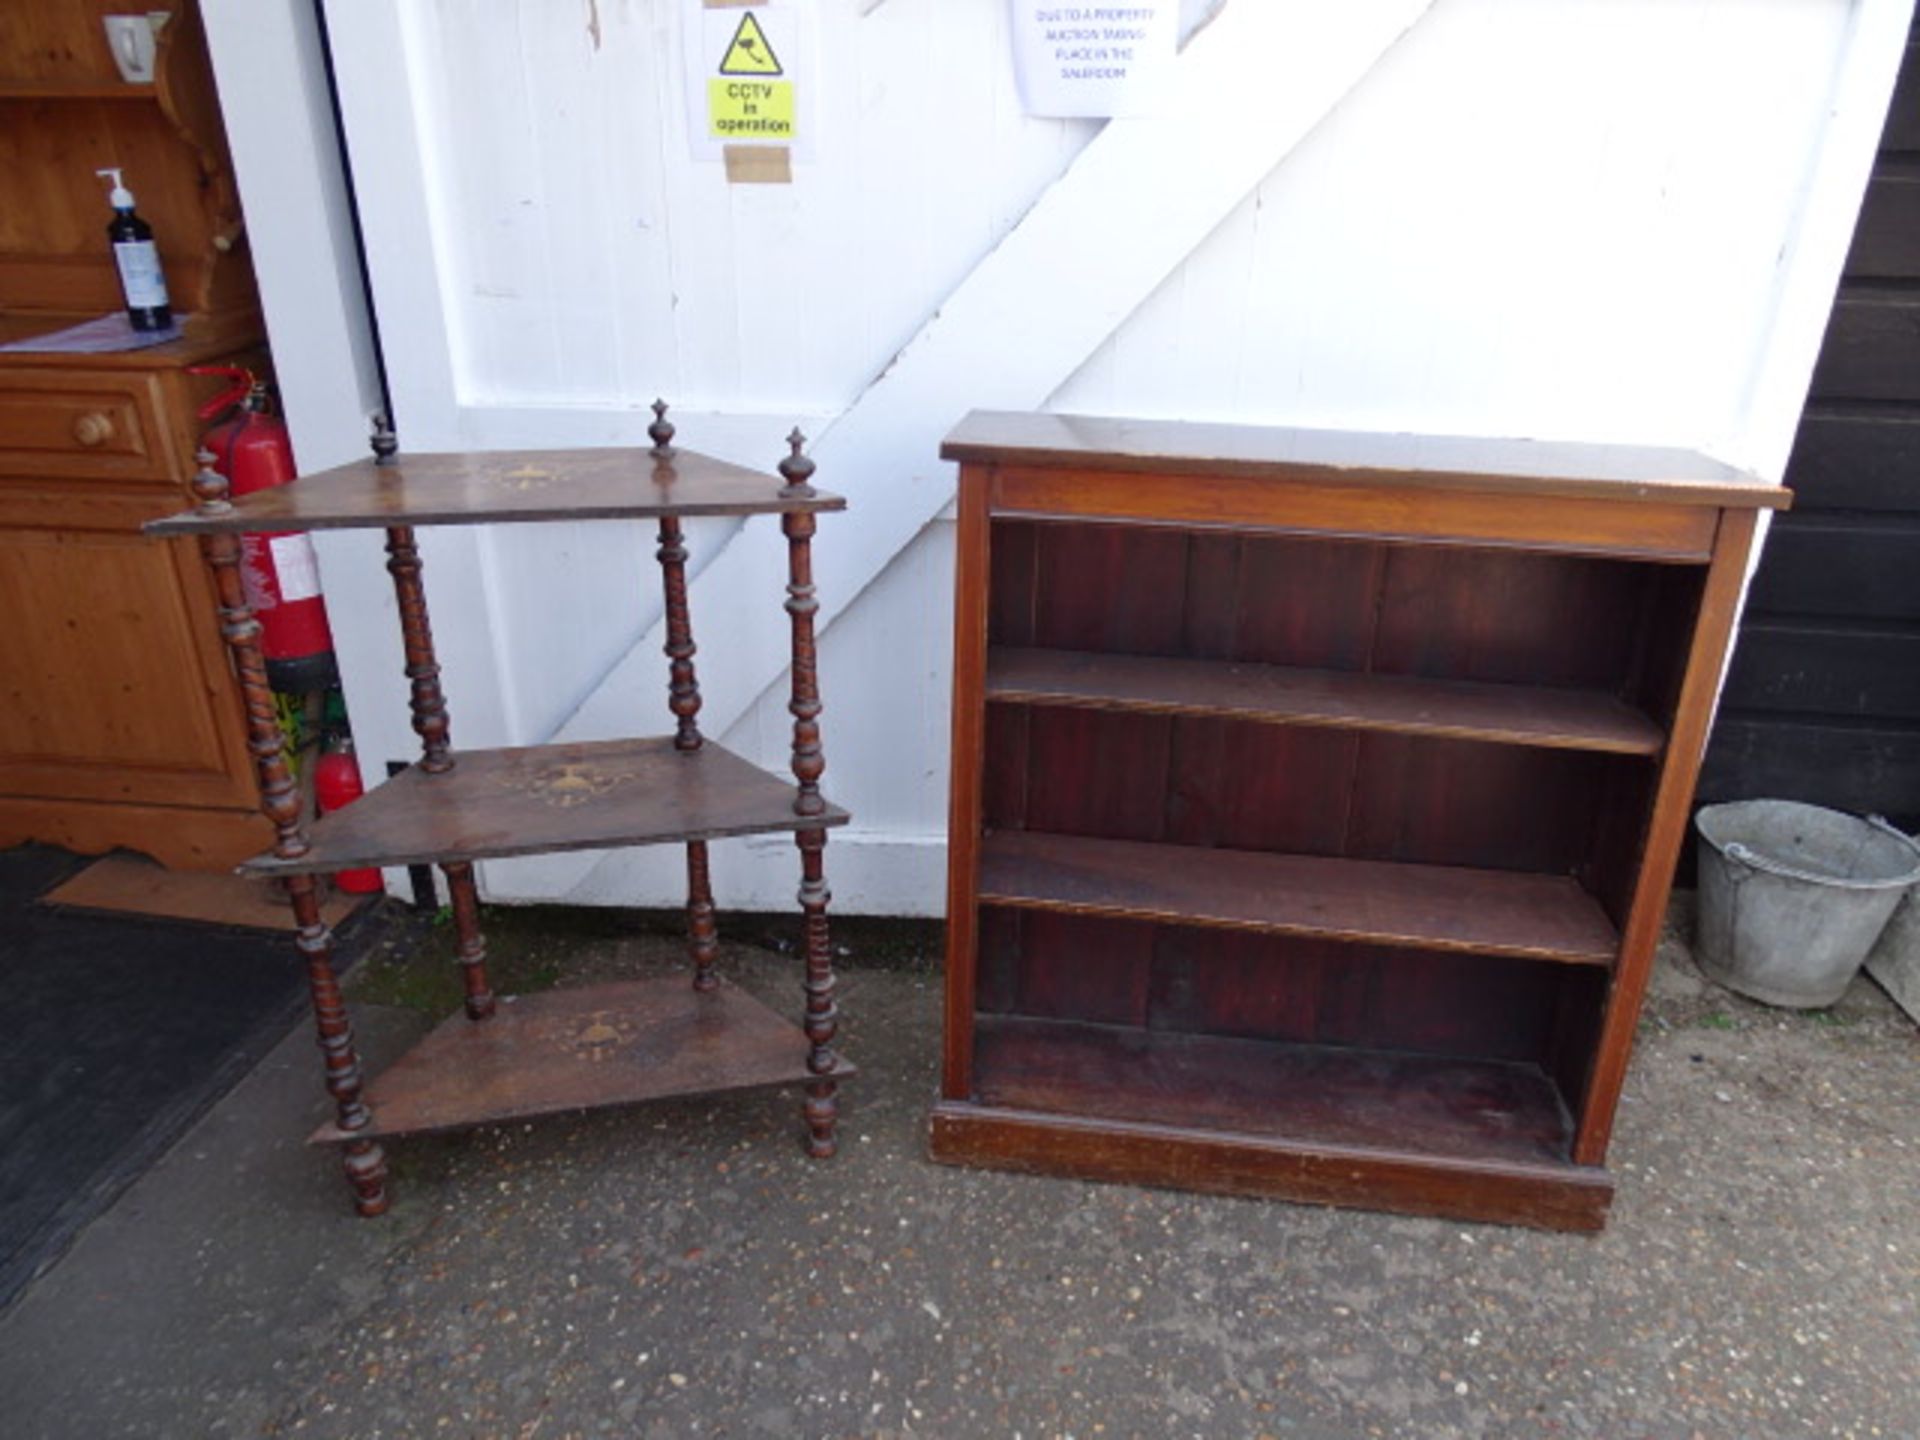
683	1270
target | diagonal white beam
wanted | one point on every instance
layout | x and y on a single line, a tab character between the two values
1137	200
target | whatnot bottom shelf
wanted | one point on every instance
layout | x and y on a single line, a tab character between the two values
584	1049
1422	1134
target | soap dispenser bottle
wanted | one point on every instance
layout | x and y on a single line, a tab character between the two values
142	283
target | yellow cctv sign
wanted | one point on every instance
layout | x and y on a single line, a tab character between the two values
751	97
750	109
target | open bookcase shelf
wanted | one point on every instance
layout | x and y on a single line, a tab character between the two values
1333	1095
1315	802
1426	907
1285	695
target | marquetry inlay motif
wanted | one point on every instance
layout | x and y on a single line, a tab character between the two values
567	783
601	1035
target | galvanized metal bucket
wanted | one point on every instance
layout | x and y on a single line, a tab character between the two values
1793	896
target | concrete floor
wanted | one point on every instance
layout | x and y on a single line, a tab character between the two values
683	1270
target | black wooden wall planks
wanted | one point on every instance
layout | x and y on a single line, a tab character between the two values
1823	699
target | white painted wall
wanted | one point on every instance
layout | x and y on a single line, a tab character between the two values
1563	219
1603	219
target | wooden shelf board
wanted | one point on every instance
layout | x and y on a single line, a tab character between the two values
1432	907
504	486
1470	1109
1508	714
583	1049
577	796
1636	473
23	89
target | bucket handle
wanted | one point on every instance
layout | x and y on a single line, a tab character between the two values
1734	850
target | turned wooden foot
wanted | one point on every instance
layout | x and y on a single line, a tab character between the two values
364	1161
822	1018
366	1166
823	1118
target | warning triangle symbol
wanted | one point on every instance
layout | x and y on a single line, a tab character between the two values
749	53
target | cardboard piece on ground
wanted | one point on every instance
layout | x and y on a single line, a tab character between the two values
1895	958
133	884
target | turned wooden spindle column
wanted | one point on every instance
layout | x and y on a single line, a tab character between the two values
470	942
430	721
683	687
822	1018
683	698
434	727
364	1161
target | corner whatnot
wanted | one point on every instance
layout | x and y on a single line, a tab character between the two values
513	1057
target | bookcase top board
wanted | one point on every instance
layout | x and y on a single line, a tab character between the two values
501	486
1357	457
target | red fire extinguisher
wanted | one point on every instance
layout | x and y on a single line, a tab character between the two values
336	782
279	571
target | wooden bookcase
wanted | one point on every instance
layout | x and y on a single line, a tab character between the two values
509	1058
1315	803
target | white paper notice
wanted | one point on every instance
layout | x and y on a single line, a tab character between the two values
1092	59
297	567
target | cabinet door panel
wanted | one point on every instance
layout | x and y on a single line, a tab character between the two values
108	690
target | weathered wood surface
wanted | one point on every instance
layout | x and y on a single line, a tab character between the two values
552	797
1353	457
583	1049
1280	695
1886	239
1824	667
506	485
1546	917
1872	349
1855	459
1551	1197
1332	1095
1574	525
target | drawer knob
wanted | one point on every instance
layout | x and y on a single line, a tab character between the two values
93	428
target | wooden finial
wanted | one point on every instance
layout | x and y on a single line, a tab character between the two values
209	485
385	443
661	432
797	468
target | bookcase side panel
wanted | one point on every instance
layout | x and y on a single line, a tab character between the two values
1708	643
971	593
